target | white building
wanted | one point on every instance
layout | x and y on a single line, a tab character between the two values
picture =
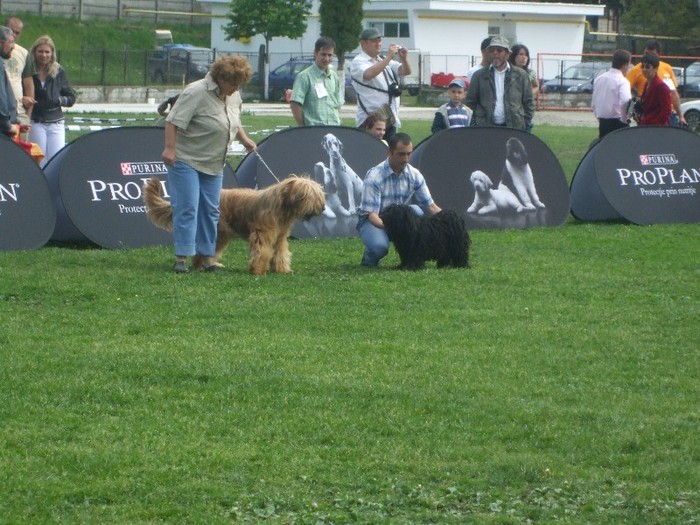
447	33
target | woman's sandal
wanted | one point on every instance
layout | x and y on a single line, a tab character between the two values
181	267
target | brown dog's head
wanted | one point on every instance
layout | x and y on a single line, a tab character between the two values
302	197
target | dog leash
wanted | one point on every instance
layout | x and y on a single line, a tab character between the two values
257	154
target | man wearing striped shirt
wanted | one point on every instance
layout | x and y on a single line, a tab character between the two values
316	95
394	181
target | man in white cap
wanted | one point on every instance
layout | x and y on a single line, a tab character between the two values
376	79
501	95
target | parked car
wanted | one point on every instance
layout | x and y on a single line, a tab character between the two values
689	81
576	79
691	112
282	78
179	63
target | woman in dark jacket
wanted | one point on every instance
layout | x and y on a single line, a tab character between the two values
51	91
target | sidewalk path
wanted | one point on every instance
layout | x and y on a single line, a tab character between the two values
555	118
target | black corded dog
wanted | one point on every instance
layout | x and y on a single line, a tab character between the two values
442	237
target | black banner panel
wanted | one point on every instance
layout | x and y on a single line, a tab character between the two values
336	157
644	174
27	213
494	177
97	181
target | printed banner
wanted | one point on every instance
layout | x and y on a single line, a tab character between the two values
644	174
494	177
336	157
27	213
98	180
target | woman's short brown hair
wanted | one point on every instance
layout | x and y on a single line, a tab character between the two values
231	68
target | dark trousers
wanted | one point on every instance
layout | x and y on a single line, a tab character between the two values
608	125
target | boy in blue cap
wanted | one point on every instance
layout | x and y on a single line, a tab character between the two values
453	114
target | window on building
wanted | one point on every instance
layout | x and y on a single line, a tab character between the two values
392	29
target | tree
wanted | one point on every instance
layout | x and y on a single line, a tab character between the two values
342	21
270	18
678	18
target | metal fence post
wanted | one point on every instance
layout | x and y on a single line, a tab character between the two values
104	68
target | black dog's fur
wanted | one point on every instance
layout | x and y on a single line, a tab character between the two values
442	237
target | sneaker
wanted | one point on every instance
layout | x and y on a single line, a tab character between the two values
210	269
181	267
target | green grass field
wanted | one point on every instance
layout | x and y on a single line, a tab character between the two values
556	381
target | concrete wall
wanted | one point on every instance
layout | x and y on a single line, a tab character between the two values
111	9
136	95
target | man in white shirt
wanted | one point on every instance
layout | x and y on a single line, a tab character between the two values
485	58
376	79
14	67
612	95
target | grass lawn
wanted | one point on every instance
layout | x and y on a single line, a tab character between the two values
556	381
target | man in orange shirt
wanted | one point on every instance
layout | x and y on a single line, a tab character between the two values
639	82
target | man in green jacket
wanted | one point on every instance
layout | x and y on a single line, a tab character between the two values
501	95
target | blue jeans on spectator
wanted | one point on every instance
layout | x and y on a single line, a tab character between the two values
375	239
674	120
195	199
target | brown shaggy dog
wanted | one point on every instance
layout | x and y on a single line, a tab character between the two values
263	217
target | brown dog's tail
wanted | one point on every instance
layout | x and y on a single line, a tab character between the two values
159	212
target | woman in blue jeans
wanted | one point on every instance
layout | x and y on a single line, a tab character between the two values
198	131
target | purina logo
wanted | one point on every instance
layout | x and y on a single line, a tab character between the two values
658	159
143	168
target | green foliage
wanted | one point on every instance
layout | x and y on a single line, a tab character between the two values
71	34
342	21
679	18
271	18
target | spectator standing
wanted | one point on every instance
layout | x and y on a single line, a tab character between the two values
9	125
501	95
612	95
656	108
14	66
198	131
520	57
485	58
51	91
376	79
638	80
317	95
394	181
453	114
375	125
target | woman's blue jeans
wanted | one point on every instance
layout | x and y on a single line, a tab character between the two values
195	199
375	239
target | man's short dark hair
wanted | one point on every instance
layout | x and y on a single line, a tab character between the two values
324	42
486	42
650	59
620	58
398	138
653	45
